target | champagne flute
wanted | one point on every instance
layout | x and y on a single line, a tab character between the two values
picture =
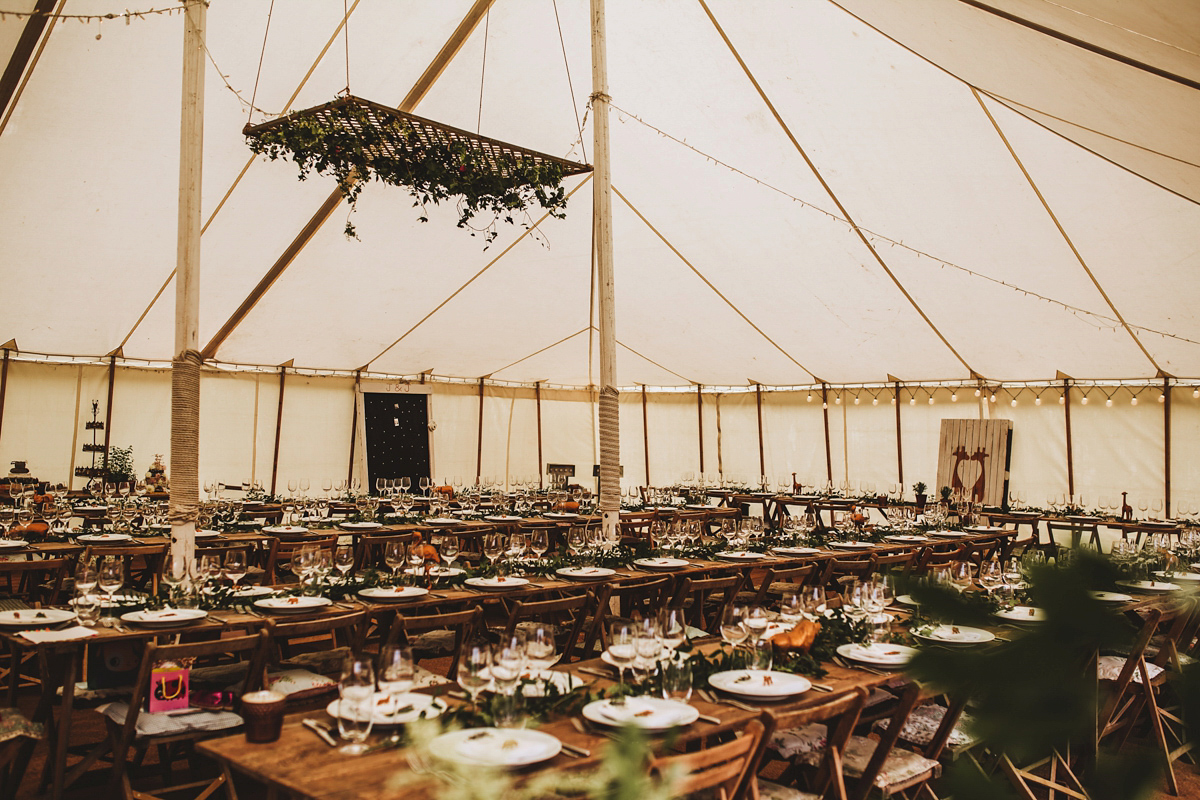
110	578
356	705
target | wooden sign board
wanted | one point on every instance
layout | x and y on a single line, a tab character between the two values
973	459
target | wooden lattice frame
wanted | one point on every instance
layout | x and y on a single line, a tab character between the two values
404	149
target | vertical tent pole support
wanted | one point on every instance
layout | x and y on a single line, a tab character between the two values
825	414
645	435
700	419
537	398
3	386
354	426
1167	446
112	382
609	410
1070	448
278	427
762	457
185	368
899	437
479	439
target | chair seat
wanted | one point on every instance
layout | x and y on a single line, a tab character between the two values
768	790
1108	668
167	724
13	725
900	768
327	662
923	723
799	742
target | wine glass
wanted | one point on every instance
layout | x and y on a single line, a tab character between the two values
622	649
508	662
493	546
474	669
450	549
814	601
85	577
235	566
394	557
733	628
539	542
343	560
960	575
576	540
755	622
110	577
672	629
677	680
356	705
396	673
541	651
991	574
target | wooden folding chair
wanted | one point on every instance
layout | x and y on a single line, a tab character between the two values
705	613
721	771
799	733
460	627
124	735
143	562
370	550
279	556
796	576
565	613
899	562
644	597
319	645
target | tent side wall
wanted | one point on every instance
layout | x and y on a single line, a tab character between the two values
1116	449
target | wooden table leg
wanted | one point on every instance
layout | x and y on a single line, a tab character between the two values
56	765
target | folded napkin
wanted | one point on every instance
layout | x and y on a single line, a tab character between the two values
64	635
170	722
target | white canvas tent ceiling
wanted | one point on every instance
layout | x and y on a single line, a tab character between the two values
733	263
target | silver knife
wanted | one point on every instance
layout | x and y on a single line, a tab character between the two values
316	728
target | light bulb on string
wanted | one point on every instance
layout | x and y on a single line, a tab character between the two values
978	392
1162	398
1133	400
993	397
837	401
875	400
1037	399
1196	393
1108	403
810	397
954	397
912	401
1062	399
931	398
1084	400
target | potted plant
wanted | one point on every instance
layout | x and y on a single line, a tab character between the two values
919	493
118	465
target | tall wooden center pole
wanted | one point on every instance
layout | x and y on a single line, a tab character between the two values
610	445
185	369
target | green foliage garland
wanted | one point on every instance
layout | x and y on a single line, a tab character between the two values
355	147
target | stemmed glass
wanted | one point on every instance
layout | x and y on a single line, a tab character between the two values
672	629
343	560
960	575
110	578
473	669
394	557
733	628
813	601
493	546
396	673
755	622
875	599
539	542
356	705
235	566
449	550
622	649
541	652
991	574
507	665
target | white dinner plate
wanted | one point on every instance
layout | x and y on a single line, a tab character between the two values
982	529
392	594
496	584
907	600
104	538
851	545
34	617
165	617
795	551
560	515
118	600
289	529
585	573
443	521
360	526
1112	597
955	635
292	605
739	555
89	508
662	563
12	543
878	654
436	572
1025	615
1150	587
948	534
207	534
162	527
759	683
496	747
648	713
502	518
386	712
906	538
1178	577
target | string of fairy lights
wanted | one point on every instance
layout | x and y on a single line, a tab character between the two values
126	15
990	393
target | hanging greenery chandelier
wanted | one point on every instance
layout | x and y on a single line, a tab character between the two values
355	141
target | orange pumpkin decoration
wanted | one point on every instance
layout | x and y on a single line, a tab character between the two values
799	638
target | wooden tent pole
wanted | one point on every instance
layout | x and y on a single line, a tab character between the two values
354	426
4	388
185	368
278	427
1070	449
645	435
825	414
1167	446
609	411
700	419
537	397
899	437
479	439
37	22
112	382
762	457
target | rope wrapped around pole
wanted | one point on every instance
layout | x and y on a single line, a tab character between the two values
185	438
610	455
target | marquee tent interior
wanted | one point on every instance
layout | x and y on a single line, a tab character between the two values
912	198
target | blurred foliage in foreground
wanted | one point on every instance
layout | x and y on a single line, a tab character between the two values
1034	695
